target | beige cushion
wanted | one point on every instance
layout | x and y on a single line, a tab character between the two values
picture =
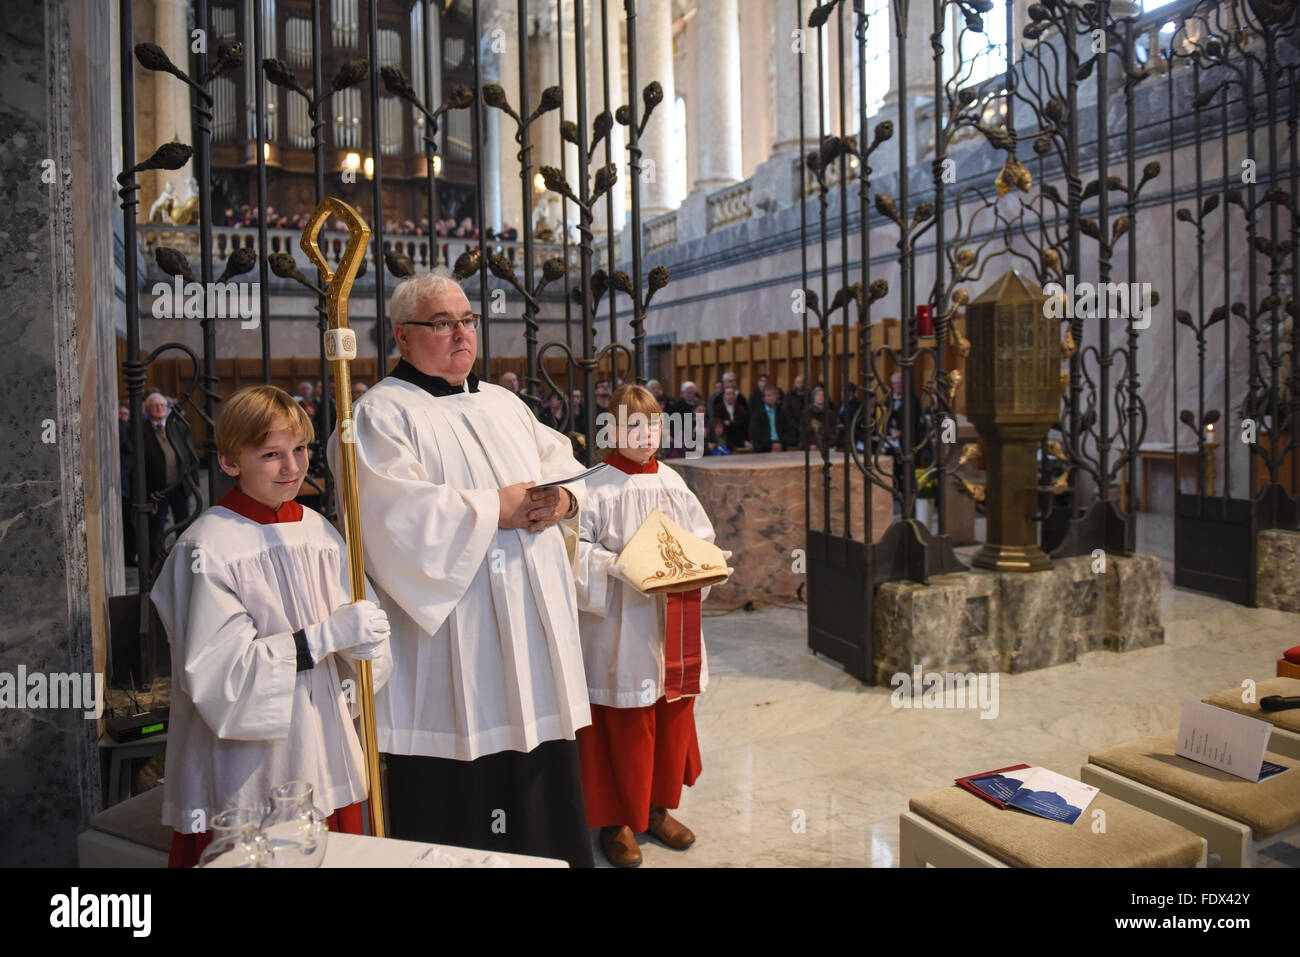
1269	807
138	819
1286	687
1133	837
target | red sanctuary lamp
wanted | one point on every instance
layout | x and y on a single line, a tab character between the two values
925	320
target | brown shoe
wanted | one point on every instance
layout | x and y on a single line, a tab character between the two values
670	830
620	847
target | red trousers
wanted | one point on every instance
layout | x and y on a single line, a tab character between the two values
634	757
186	848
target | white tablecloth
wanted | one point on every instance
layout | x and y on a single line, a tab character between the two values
356	850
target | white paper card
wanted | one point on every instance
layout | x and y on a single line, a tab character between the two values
1223	739
576	478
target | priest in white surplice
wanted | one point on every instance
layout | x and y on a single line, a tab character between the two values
480	715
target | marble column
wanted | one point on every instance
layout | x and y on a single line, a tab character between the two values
717	57
614	203
846	23
755	92
785	76
654	61
490	128
511	204
569	83
60	458
171	95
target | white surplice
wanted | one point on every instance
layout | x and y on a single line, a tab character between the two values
243	718
486	655
623	629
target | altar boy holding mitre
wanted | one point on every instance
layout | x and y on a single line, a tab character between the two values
646	560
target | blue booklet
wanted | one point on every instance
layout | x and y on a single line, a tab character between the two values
1268	769
1038	791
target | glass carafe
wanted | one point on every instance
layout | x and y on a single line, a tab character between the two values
237	840
295	828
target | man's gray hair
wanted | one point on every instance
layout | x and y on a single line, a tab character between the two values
688	384
410	293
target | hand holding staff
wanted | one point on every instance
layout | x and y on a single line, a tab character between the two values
340	348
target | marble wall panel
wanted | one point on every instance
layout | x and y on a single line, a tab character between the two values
49	759
946	625
1132	605
1032	620
1084	593
756	504
1277	581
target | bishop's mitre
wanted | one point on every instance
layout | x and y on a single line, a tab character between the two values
663	558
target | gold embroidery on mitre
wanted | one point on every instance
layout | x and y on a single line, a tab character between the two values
679	567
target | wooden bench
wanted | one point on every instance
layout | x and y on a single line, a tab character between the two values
1238	818
1286	724
951	827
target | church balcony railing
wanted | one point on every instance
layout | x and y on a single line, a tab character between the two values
661	232
226	239
730	205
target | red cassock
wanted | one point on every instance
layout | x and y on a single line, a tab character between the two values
634	757
186	848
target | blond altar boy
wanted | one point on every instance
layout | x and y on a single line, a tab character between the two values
255	600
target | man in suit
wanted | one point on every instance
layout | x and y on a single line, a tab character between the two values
765	423
729	409
168	459
792	405
755	400
894	424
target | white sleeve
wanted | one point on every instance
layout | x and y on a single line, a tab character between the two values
381	666
592	579
424	542
241	683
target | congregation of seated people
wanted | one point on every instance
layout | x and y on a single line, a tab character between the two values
769	419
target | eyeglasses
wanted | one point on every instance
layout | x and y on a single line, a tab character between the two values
443	327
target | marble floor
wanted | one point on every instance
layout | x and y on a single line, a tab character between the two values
788	738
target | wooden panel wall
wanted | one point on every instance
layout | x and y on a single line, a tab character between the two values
778	354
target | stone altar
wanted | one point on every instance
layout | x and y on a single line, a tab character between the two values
755	502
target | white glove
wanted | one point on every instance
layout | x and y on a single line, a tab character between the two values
360	627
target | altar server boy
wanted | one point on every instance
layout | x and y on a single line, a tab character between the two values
640	748
264	637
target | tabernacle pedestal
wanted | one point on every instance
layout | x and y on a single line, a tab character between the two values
981	621
1277	579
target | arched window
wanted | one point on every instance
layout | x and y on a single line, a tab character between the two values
678	172
877	56
984	55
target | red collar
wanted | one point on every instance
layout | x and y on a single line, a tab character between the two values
625	464
249	507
